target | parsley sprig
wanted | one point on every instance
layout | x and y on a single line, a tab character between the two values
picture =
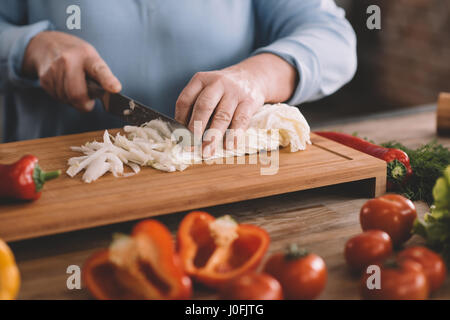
428	163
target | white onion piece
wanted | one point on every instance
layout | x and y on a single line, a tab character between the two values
75	161
161	126
96	169
75	169
136	168
115	163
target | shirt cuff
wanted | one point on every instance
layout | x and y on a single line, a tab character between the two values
22	36
304	60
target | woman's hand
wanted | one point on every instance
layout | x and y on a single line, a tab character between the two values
228	98
62	62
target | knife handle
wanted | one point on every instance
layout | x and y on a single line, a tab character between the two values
95	90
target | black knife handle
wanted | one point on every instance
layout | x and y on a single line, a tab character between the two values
95	90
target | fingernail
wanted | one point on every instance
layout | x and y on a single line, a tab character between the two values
116	86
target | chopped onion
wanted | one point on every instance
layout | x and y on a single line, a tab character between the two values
152	145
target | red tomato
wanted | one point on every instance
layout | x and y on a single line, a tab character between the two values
391	213
406	281
302	276
432	264
370	247
253	286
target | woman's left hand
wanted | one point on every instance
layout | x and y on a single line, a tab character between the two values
228	97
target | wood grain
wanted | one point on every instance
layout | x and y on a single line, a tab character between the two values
69	204
321	220
289	218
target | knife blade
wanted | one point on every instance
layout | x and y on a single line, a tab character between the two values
134	112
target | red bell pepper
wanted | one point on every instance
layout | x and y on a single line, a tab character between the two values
143	266
215	251
398	166
24	179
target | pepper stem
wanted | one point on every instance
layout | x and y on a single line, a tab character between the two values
40	177
46	176
396	171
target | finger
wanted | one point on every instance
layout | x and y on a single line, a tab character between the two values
59	83
98	70
186	100
243	115
211	142
204	107
222	118
77	92
241	121
47	83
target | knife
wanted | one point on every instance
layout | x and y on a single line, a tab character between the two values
136	113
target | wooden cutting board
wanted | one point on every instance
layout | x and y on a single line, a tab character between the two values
69	204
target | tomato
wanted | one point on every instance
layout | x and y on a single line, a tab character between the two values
370	247
432	264
405	281
253	286
391	213
302	275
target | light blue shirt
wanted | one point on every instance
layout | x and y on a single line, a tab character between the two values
154	47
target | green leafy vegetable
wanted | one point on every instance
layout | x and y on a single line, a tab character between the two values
436	225
428	163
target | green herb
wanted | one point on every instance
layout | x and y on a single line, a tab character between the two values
428	162
436	225
356	134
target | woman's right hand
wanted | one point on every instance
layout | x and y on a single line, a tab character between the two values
62	62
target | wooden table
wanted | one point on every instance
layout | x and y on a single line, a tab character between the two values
321	220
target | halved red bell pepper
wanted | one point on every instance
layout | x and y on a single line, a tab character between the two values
214	251
143	266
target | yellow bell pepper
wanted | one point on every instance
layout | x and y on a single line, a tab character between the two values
9	273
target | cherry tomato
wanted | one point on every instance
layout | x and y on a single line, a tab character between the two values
432	264
370	247
302	275
405	281
391	213
253	286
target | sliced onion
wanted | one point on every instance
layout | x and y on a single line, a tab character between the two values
152	145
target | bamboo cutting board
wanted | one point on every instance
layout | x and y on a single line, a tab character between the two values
68	204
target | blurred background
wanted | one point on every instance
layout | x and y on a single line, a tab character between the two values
403	65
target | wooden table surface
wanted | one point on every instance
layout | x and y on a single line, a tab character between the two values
320	220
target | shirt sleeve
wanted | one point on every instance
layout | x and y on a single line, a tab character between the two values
15	34
314	37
